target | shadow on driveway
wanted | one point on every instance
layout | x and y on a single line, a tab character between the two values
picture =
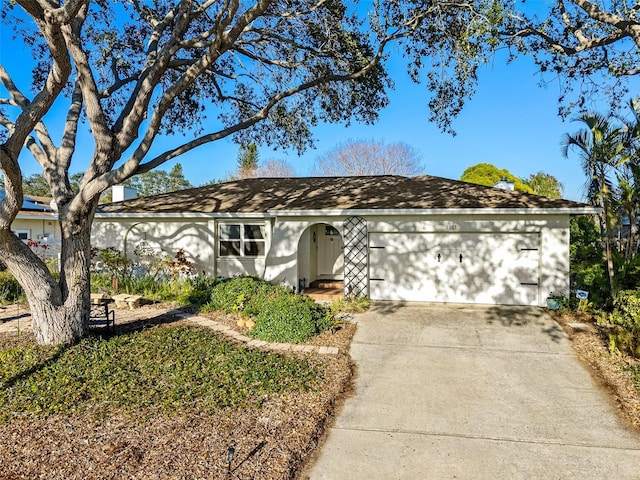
457	391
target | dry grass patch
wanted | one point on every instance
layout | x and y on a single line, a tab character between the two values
274	416
619	374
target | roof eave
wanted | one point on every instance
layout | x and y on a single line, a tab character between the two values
199	215
355	212
441	211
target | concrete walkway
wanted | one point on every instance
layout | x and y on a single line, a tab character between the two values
16	318
464	392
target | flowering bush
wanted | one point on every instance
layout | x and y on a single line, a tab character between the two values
154	275
180	266
39	248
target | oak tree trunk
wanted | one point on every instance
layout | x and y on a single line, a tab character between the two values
59	309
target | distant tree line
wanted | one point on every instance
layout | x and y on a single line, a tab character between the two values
540	183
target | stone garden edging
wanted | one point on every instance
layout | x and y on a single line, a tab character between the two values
252	342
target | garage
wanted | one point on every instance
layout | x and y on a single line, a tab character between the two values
476	267
386	237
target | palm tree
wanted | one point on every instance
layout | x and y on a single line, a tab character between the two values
601	147
629	179
627	203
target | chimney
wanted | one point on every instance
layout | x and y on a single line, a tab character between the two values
119	193
505	184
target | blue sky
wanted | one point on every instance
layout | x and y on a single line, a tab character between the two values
511	122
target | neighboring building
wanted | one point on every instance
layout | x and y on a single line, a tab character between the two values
38	221
388	237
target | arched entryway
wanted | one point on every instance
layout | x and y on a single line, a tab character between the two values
320	255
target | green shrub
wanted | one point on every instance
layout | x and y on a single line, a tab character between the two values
102	283
198	290
280	314
625	318
10	289
292	318
264	297
627	273
245	295
153	289
232	295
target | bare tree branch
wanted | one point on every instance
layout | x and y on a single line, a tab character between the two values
157	61
369	157
623	28
63	14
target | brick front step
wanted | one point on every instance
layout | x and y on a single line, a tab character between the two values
325	294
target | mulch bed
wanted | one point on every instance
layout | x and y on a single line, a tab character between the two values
272	442
609	371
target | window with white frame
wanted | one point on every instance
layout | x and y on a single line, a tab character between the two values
241	240
23	235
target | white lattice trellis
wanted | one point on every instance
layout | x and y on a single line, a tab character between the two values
355	257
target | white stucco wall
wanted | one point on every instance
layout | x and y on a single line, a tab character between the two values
197	236
38	227
307	253
282	261
283	264
555	265
165	235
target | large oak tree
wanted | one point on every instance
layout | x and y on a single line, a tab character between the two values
263	71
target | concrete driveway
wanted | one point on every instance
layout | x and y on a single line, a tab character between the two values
472	392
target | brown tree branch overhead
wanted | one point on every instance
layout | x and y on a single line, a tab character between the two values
261	71
591	47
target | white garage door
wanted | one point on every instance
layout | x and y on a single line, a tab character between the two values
489	268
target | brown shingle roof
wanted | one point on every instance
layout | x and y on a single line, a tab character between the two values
28	213
259	195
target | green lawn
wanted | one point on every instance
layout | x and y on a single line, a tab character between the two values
172	369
